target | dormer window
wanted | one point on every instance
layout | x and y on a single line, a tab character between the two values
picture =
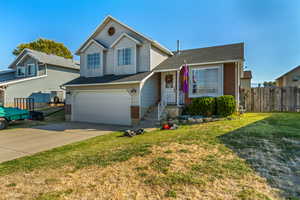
20	71
93	61
31	69
124	56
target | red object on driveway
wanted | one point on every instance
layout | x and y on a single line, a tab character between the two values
166	126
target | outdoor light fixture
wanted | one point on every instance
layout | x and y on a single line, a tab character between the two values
133	91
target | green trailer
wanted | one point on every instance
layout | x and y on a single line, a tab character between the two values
11	114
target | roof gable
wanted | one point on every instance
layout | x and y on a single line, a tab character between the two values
292	70
47	59
109	19
121	37
92	41
19	58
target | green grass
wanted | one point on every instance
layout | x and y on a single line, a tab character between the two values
271	146
168	151
106	149
171	193
184	151
249	194
56	195
161	164
217	168
11	185
251	132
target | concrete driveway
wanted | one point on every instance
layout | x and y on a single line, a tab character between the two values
19	142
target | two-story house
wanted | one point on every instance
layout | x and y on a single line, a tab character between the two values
36	75
123	73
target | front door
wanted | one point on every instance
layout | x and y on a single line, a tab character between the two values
169	88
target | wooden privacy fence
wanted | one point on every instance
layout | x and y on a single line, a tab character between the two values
269	99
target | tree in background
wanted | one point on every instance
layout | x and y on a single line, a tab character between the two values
269	83
46	46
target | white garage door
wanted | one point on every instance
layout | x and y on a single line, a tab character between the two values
107	107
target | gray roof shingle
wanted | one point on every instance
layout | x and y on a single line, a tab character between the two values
111	79
203	55
53	59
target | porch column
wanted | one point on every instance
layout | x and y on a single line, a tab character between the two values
177	88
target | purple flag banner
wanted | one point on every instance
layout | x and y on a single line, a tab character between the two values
185	87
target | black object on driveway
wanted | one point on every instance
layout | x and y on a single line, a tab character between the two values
35	115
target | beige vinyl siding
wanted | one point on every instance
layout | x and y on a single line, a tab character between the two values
156	57
149	93
125	69
141	53
108	40
84	71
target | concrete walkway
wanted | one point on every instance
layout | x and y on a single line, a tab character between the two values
19	142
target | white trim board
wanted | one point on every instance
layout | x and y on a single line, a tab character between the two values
124	35
220	77
95	42
22	80
95	84
195	64
119	83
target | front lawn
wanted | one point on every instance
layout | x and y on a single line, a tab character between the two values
233	159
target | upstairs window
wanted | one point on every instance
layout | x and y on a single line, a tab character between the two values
206	82
20	71
296	78
31	69
124	56
93	61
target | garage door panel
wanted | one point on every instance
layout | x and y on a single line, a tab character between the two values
102	107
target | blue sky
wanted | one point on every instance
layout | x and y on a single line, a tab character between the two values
269	28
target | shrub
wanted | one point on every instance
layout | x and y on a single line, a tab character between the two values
202	106
226	105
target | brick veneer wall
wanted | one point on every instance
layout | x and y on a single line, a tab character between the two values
135	112
229	79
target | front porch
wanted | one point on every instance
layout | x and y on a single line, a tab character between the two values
171	92
172	98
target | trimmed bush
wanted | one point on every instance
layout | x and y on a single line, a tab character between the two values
202	106
226	105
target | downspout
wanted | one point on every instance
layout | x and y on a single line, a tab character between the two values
177	87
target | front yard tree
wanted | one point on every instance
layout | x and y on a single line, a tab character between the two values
46	46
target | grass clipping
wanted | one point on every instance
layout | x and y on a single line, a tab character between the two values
170	171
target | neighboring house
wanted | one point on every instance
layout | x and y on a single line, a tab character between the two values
7	74
289	79
36	75
125	74
246	80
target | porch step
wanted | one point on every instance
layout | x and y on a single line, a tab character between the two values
150	118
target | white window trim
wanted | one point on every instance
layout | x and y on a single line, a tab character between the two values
28	65
131	57
21	67
100	61
221	77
